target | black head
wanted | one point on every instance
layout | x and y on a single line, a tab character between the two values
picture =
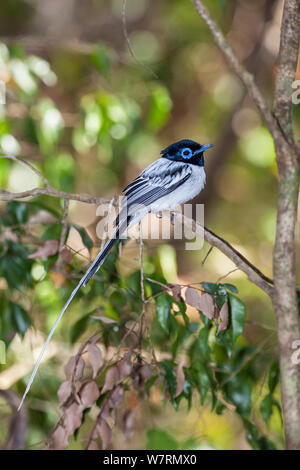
187	151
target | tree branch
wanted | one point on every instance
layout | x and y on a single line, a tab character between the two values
287	66
241	72
47	191
253	273
285	296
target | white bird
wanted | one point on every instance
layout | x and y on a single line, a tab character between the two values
175	178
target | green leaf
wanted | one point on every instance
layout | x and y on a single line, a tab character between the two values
202	378
150	382
170	376
238	391
15	318
231	287
15	266
256	442
163	312
238	313
210	287
18	212
117	300
157	439
79	328
21	319
266	407
273	376
160	107
100	58
52	232
203	342
84	237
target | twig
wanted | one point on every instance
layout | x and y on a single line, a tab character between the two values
206	256
237	67
253	273
62	240
247	359
48	190
143	313
138	61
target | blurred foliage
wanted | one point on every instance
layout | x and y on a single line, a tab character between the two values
89	118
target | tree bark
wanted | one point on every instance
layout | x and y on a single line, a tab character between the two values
280	125
285	295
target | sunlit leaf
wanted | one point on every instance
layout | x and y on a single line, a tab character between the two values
157	439
163	312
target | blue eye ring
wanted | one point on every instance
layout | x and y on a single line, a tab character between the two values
186	153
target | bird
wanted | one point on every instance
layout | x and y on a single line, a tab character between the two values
175	178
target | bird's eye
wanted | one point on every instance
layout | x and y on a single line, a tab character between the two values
186	153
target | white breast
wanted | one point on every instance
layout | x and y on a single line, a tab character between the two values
183	193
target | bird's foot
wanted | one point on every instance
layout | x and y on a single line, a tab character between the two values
172	217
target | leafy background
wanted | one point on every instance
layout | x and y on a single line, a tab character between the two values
90	118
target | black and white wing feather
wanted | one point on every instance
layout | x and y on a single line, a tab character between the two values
158	180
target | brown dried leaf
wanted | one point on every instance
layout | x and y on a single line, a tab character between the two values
95	357
73	417
116	397
105	410
89	393
49	248
192	297
42	217
204	302
224	317
104	319
124	368
59	439
64	392
8	234
66	255
129	422
145	372
92	446
112	376
69	368
179	379
104	432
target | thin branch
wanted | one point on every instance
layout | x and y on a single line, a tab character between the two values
253	273
138	61
143	313
287	66
237	67
47	191
63	235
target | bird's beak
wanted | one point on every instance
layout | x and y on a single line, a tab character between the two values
203	148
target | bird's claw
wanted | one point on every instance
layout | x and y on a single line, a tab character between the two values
172	218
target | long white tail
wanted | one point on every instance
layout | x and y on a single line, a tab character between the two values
83	281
